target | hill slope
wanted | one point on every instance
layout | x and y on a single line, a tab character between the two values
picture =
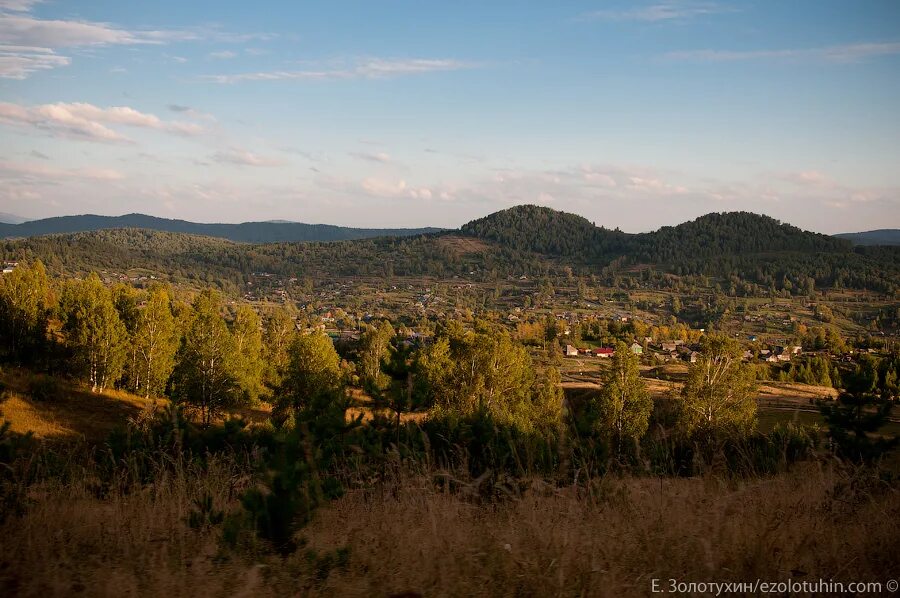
883	236
746	254
246	232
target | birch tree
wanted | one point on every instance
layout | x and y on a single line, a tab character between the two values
624	405
718	394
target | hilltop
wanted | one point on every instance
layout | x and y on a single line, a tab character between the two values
245	232
550	232
747	251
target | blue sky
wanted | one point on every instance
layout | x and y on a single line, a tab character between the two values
633	114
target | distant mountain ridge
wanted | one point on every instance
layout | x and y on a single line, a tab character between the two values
882	236
7	218
246	232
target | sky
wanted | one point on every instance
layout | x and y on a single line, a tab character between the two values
635	115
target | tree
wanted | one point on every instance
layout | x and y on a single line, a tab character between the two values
247	333
624	405
374	350
718	394
856	418
25	303
313	378
95	332
277	338
206	373
125	298
156	342
482	371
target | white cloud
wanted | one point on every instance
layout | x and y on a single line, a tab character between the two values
29	43
370	68
17	5
841	54
86	121
223	55
243	157
20	171
663	11
18	62
372	156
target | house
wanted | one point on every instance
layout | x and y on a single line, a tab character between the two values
781	353
636	349
603	352
670	346
693	356
9	267
571	351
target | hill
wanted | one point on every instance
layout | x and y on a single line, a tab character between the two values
549	232
884	236
745	254
7	218
246	232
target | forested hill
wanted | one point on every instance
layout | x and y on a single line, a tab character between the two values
884	236
744	253
546	231
731	233
247	232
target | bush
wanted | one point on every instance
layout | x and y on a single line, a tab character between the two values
43	388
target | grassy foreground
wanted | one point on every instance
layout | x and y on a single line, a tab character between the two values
410	537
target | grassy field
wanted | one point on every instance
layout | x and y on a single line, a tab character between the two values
407	537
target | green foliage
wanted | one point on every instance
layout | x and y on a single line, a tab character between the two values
718	395
623	403
277	338
94	331
856	418
481	371
375	346
208	364
247	332
26	301
313	378
156	342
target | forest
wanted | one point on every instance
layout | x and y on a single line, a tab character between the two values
758	252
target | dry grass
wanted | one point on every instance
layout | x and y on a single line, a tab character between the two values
411	537
461	246
73	412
